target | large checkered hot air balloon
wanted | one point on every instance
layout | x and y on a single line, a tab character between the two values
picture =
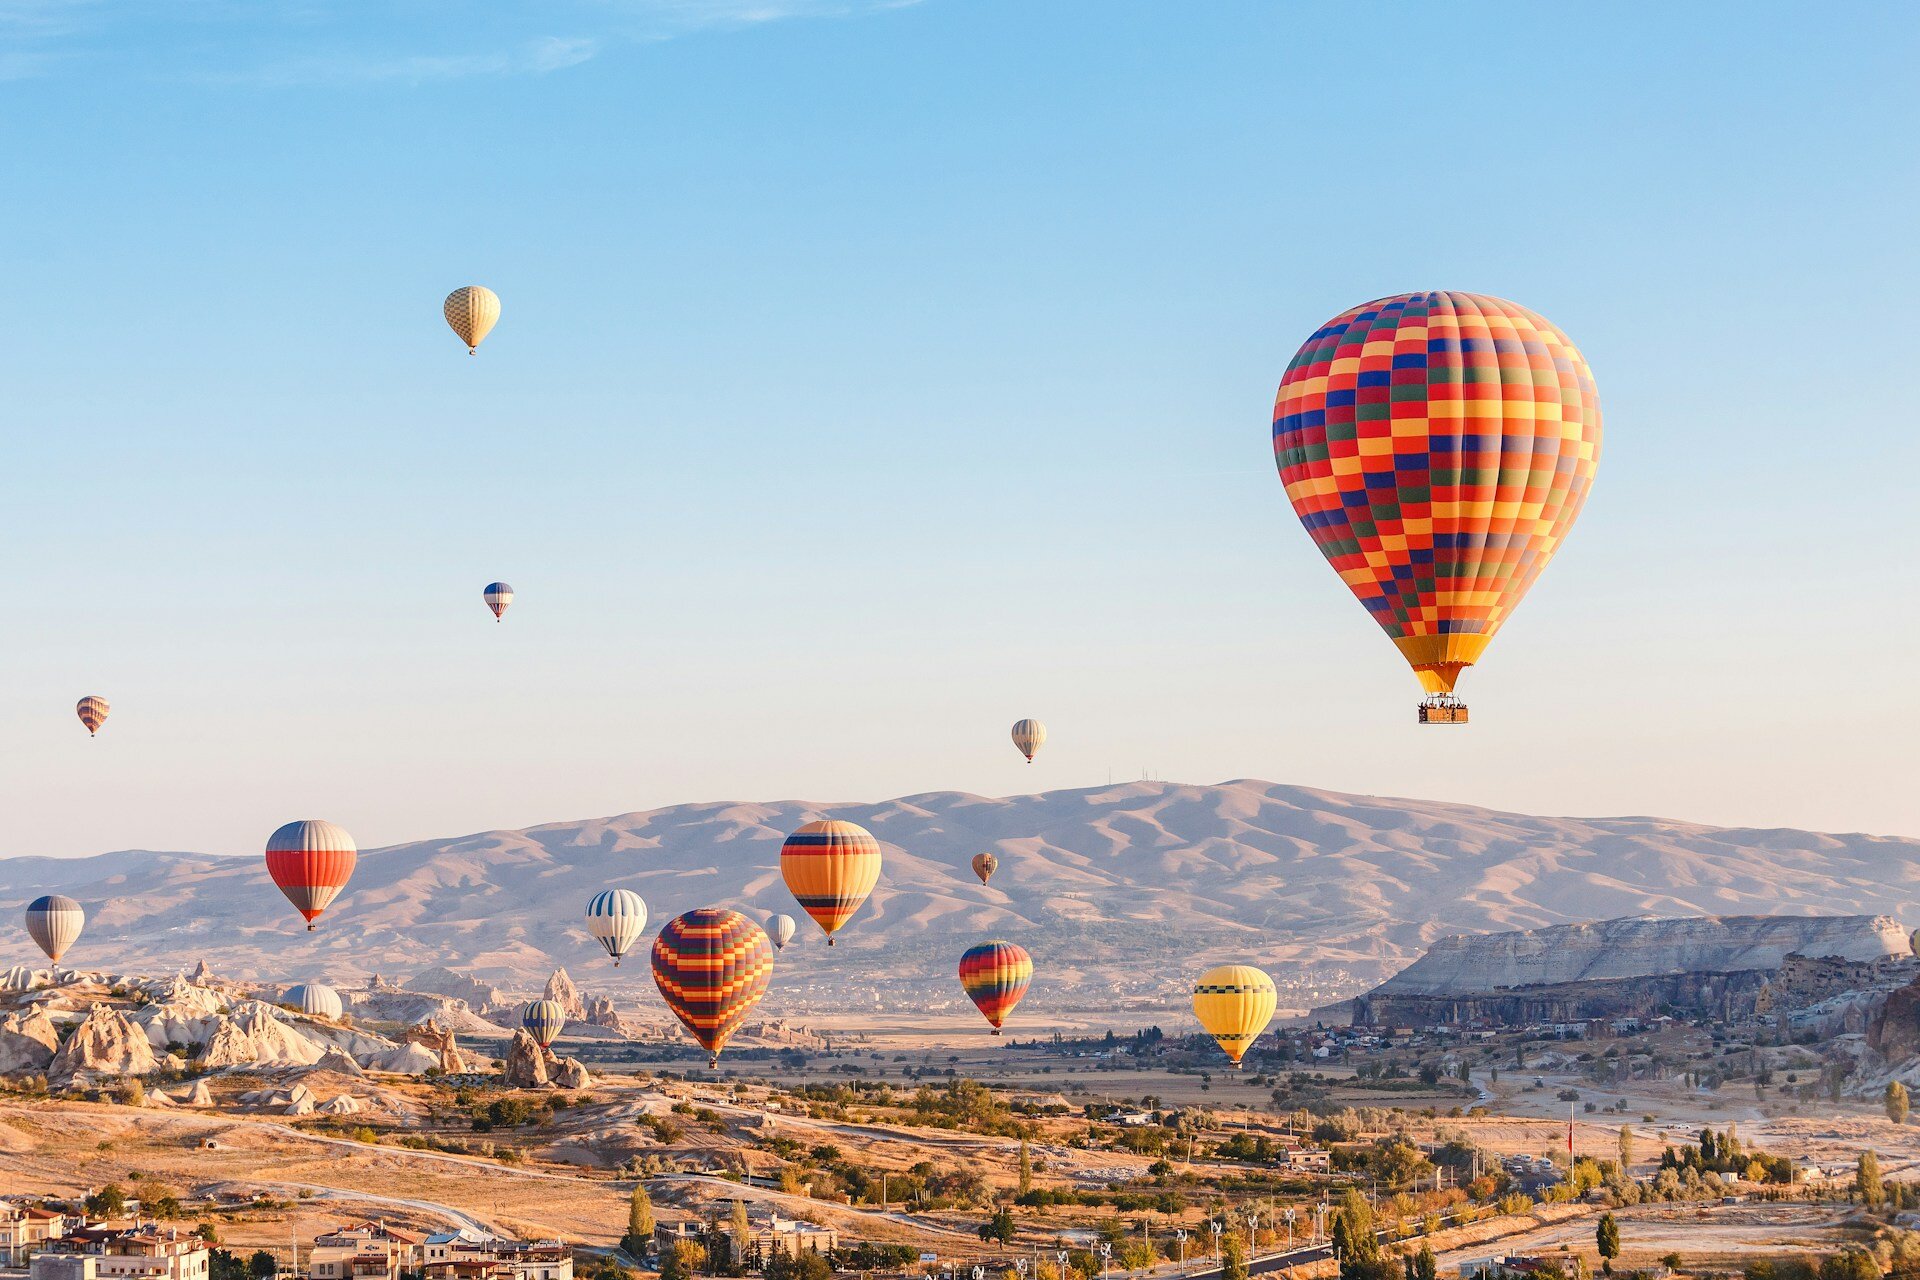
831	867
54	923
1438	446
311	861
995	975
712	966
471	312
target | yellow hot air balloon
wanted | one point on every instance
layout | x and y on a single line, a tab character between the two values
472	311
1234	1003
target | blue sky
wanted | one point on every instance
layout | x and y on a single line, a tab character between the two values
871	375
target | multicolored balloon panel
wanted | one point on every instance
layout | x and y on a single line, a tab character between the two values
92	711
544	1020
1438	446
830	867
54	923
311	861
1234	1003
996	975
712	966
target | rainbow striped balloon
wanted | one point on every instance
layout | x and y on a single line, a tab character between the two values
544	1020
830	867
995	975
712	966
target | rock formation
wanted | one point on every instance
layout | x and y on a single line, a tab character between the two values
1894	1032
198	1096
600	1013
438	1040
526	1064
27	1042
568	1073
561	990
442	981
344	1105
104	1044
254	1033
201	975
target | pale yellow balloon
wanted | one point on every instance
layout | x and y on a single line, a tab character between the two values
472	312
1234	1003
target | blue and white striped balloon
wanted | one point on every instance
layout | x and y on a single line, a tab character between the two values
616	919
499	596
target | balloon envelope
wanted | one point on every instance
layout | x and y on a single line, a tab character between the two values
995	976
498	596
712	966
54	923
543	1020
1437	447
316	1000
780	929
1234	1002
830	867
616	918
1028	735
472	312
984	865
93	713
311	861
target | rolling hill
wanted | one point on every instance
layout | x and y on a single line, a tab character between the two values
1119	891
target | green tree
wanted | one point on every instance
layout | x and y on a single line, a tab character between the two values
1606	1239
1626	1147
999	1226
740	1233
1866	1180
639	1237
1896	1102
1849	1264
1672	1261
1233	1257
1354	1242
1026	1168
680	1261
262	1265
1422	1265
222	1265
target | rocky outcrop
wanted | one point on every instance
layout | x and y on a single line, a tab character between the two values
22	978
601	1013
105	1043
1640	948
561	990
1894	1032
27	1042
438	1041
442	981
254	1034
526	1064
201	975
568	1073
198	1096
344	1105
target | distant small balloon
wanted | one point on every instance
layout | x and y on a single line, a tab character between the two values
499	595
544	1020
472	312
316	1000
616	919
780	929
984	865
93	713
1028	735
54	923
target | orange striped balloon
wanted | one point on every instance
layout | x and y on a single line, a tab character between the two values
830	867
712	966
93	713
996	975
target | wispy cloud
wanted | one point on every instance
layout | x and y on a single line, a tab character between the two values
540	56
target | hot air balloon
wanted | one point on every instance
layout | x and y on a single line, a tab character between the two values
831	867
316	1000
1234	1003
93	713
54	923
995	975
1028	735
543	1020
780	929
1914	942
984	865
617	918
310	861
1438	447
712	966
498	595
472	311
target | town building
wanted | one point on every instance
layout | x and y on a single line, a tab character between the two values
367	1251
469	1255
774	1235
112	1253
24	1228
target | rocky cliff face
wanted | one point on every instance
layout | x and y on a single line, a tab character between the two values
104	1044
1640	948
442	981
560	988
27	1041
